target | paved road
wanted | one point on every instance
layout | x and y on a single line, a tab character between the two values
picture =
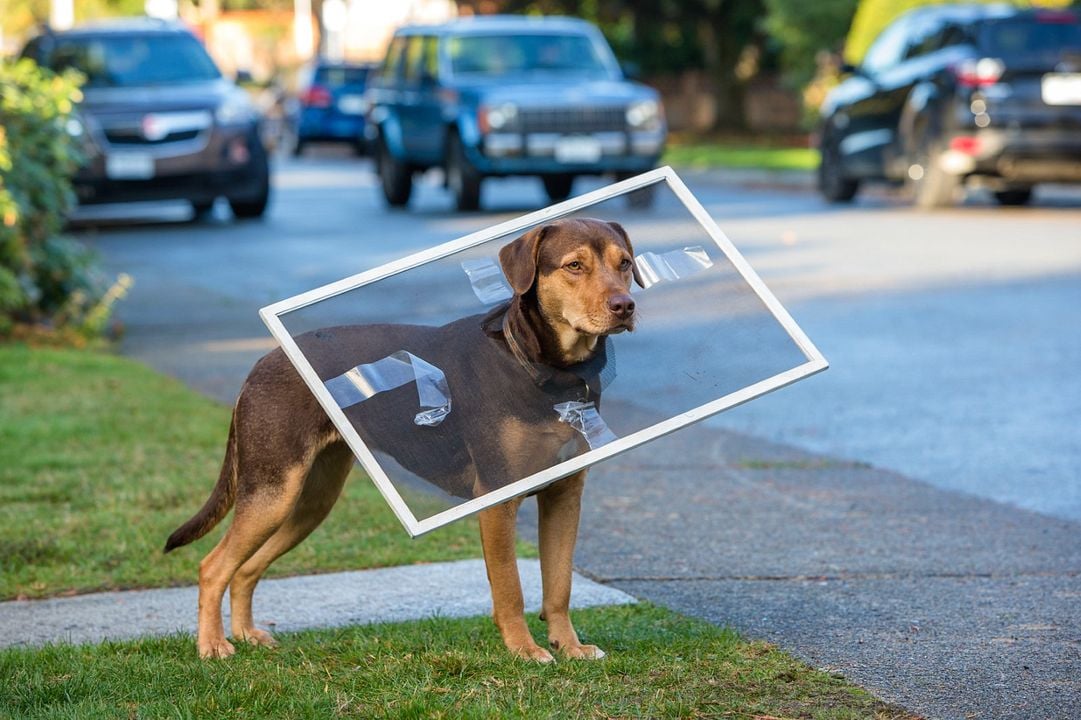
951	341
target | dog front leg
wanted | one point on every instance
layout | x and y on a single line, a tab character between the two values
559	507
497	535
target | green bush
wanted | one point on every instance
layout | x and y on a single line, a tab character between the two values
49	285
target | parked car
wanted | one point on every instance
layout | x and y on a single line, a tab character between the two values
157	119
497	96
332	105
950	96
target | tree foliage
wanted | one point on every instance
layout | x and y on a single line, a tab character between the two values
802	29
46	280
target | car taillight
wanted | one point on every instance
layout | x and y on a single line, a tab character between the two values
965	144
316	96
978	73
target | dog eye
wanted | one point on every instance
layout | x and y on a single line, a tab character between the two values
574	265
625	265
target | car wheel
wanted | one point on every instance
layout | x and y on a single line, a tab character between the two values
558	187
202	210
395	177
641	199
832	183
462	178
255	206
931	186
1017	196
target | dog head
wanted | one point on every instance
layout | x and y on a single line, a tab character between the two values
577	273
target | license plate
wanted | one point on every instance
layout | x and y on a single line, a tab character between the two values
1061	88
578	150
129	166
351	105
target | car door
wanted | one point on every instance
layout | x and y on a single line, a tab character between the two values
867	122
422	123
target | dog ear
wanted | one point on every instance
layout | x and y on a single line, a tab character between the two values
519	259
630	248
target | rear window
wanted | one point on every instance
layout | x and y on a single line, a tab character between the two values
532	53
339	76
1031	38
133	60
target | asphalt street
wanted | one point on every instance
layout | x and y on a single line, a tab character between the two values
909	518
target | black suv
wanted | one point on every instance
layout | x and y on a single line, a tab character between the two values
158	121
955	95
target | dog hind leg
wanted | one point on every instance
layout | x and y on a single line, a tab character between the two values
321	489
257	517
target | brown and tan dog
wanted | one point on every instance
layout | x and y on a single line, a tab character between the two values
285	463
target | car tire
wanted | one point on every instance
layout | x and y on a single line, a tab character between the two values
932	187
1016	196
832	183
641	199
247	208
462	178
394	176
202	210
558	187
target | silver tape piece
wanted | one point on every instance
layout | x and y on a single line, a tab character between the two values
395	370
584	418
491	287
672	265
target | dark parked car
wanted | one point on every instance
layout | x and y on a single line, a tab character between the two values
158	120
332	105
955	95
497	96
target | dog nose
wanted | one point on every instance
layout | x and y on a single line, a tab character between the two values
622	306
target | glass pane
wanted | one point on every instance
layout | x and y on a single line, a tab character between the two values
459	393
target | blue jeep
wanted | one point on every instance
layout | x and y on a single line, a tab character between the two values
500	95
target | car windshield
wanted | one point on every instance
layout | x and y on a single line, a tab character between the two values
338	76
1032	39
527	53
134	60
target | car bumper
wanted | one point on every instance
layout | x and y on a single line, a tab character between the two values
555	153
228	162
328	125
1017	156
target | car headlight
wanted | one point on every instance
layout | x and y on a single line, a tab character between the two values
644	115
236	109
499	117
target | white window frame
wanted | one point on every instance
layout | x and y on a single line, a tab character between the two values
271	315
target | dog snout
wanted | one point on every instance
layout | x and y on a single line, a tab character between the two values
622	306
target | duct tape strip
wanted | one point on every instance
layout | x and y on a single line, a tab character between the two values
584	418
672	265
491	287
395	370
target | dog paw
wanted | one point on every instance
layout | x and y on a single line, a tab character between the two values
533	653
582	652
255	636
220	648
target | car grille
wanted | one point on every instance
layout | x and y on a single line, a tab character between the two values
572	120
134	137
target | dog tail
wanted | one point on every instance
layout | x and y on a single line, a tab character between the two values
217	505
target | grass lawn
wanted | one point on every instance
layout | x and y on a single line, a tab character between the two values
101	458
659	665
704	154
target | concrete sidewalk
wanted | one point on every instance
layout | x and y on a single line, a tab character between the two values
413	592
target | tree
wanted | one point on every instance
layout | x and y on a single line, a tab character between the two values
803	29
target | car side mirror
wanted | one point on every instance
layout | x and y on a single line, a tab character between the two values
631	70
244	77
850	69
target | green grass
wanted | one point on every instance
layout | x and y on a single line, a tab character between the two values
101	458
659	665
704	155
